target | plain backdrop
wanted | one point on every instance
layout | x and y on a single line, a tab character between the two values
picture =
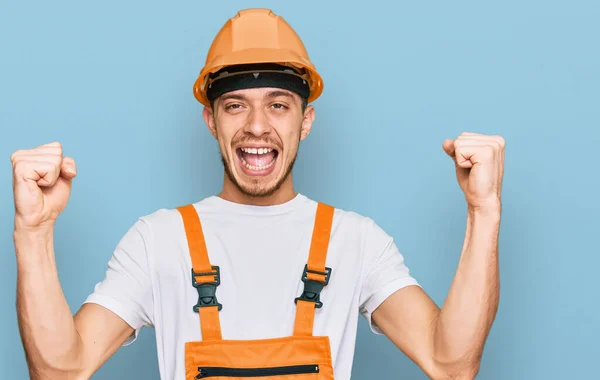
112	81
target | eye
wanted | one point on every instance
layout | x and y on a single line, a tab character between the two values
279	106
233	106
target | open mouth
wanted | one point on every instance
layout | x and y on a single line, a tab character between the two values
257	160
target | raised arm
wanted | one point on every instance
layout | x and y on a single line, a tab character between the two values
448	343
57	345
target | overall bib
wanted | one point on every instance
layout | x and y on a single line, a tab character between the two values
301	356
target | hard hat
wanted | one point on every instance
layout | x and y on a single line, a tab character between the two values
255	36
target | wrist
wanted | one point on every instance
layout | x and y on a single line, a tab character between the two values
21	227
491	208
33	242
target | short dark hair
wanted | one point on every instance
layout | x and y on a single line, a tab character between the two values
304	104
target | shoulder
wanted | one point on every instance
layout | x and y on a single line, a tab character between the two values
358	233
364	225
167	218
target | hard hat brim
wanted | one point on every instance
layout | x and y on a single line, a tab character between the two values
258	55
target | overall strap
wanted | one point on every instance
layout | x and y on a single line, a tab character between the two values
205	277
315	275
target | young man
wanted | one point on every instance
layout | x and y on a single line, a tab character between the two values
255	87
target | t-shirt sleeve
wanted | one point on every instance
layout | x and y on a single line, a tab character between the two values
126	289
386	272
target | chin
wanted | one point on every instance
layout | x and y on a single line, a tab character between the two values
255	186
257	172
261	185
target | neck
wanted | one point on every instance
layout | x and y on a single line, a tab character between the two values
232	193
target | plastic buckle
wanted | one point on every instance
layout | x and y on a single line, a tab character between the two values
207	290
313	288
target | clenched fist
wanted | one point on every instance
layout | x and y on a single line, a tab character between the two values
41	185
479	161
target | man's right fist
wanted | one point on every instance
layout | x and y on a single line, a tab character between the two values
41	185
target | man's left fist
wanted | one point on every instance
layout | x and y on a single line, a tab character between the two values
479	161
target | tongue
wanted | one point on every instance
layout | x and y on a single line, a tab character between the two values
259	159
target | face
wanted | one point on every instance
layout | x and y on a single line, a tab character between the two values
259	131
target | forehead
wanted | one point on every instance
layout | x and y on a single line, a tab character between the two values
261	93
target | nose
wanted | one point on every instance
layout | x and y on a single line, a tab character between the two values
257	123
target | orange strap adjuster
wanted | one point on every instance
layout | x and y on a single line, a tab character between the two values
206	277
316	275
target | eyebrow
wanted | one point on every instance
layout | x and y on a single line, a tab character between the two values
233	96
271	94
274	94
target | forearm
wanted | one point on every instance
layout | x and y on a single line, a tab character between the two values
470	307
50	340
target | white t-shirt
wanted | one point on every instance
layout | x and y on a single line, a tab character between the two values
261	252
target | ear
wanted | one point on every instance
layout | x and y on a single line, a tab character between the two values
209	119
307	122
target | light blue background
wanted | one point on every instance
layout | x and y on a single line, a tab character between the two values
112	81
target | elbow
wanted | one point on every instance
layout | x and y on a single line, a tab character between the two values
458	361
51	372
466	374
52	366
466	369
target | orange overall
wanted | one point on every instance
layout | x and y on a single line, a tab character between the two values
301	356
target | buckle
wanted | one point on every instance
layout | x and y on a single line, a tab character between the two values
207	290
313	288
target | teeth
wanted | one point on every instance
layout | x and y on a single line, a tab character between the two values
257	151
252	167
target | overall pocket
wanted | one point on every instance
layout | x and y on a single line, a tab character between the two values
290	358
206	372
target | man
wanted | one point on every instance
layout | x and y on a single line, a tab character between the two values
256	88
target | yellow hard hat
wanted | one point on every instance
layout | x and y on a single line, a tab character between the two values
256	36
